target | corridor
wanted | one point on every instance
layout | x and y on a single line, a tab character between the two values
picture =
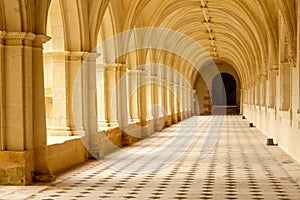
207	157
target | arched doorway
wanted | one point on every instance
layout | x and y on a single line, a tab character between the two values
224	94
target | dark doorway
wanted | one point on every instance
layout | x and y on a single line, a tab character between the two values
224	90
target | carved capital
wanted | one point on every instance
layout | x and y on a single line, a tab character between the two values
2	37
40	39
292	60
90	57
15	38
75	56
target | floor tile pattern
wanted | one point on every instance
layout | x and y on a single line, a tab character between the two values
217	157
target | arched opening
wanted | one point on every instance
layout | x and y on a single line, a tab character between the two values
224	93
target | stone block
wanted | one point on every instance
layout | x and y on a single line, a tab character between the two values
16	168
62	156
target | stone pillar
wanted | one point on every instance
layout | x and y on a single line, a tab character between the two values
67	96
242	101
183	99
186	100
160	88
149	100
189	99
146	98
178	100
285	86
257	92
116	95
101	104
2	90
172	102
272	87
111	96
156	96
122	107
196	110
23	120
92	138
165	101
263	89
134	76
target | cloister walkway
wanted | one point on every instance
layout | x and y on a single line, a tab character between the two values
207	157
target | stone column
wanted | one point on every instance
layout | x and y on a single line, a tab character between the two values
110	90
189	99
272	86
172	102
133	95
257	92
186	100
92	138
156	96
121	81
242	101
2	90
160	97
165	101
285	86
194	101
149	95
178	100
263	89
23	120
101	104
183	99
146	99
66	93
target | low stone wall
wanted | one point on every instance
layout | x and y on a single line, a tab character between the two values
62	156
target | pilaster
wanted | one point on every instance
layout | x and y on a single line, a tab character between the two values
22	109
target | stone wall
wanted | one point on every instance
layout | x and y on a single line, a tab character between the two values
64	155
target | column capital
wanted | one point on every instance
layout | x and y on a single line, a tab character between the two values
116	66
19	38
2	37
292	60
40	39
134	72
61	56
90	57
23	39
75	56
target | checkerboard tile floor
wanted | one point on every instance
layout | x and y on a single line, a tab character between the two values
209	157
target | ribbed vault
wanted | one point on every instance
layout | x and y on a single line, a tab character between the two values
242	33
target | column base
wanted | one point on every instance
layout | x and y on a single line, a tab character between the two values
96	155
16	167
136	120
114	124
168	121
159	124
179	117
174	118
184	115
